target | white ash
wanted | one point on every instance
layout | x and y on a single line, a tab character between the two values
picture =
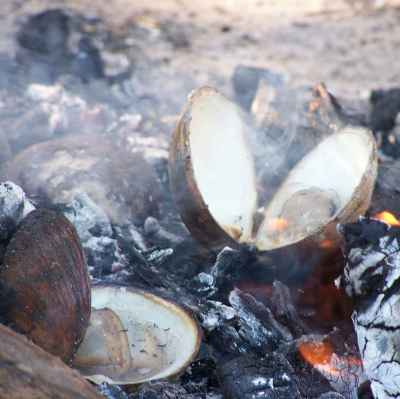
372	278
14	205
159	255
217	315
87	216
103	253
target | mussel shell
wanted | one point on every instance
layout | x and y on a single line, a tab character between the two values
45	271
162	337
185	189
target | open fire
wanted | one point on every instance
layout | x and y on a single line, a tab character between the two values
242	266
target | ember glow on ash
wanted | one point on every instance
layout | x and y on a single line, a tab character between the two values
278	224
322	356
388	218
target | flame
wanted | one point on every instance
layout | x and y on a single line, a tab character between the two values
321	355
388	218
278	224
316	353
326	244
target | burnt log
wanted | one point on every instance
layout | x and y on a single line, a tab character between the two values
372	278
27	371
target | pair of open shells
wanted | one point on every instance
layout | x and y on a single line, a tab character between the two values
213	179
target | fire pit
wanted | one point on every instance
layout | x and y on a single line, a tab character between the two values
244	249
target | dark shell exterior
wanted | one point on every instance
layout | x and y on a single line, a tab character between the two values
45	271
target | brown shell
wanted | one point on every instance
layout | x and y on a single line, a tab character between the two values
27	371
123	184
193	210
44	270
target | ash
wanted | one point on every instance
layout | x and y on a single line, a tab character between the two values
372	278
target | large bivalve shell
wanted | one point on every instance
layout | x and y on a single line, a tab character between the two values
135	336
213	181
45	273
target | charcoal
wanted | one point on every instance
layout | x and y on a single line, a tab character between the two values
285	311
157	235
257	325
217	315
102	250
250	377
364	391
372	278
129	235
112	391
312	384
165	390
331	395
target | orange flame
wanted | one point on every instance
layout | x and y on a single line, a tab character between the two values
322	357
326	244
316	353
388	218
278	224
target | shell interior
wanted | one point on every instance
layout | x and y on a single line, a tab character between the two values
315	191
317	188
160	337
222	162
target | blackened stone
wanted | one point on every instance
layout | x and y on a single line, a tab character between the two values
250	377
45	52
45	33
385	107
387	188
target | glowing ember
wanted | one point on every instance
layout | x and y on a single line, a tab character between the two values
316	353
278	224
321	355
388	218
327	244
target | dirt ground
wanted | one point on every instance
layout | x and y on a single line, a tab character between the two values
351	46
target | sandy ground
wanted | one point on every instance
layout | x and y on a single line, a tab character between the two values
351	46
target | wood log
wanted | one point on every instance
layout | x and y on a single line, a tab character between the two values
27	371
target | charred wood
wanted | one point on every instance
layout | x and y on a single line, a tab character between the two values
372	278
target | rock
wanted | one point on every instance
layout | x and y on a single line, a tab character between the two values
121	183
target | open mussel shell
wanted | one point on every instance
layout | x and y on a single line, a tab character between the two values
28	371
211	170
45	276
135	336
213	181
332	184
